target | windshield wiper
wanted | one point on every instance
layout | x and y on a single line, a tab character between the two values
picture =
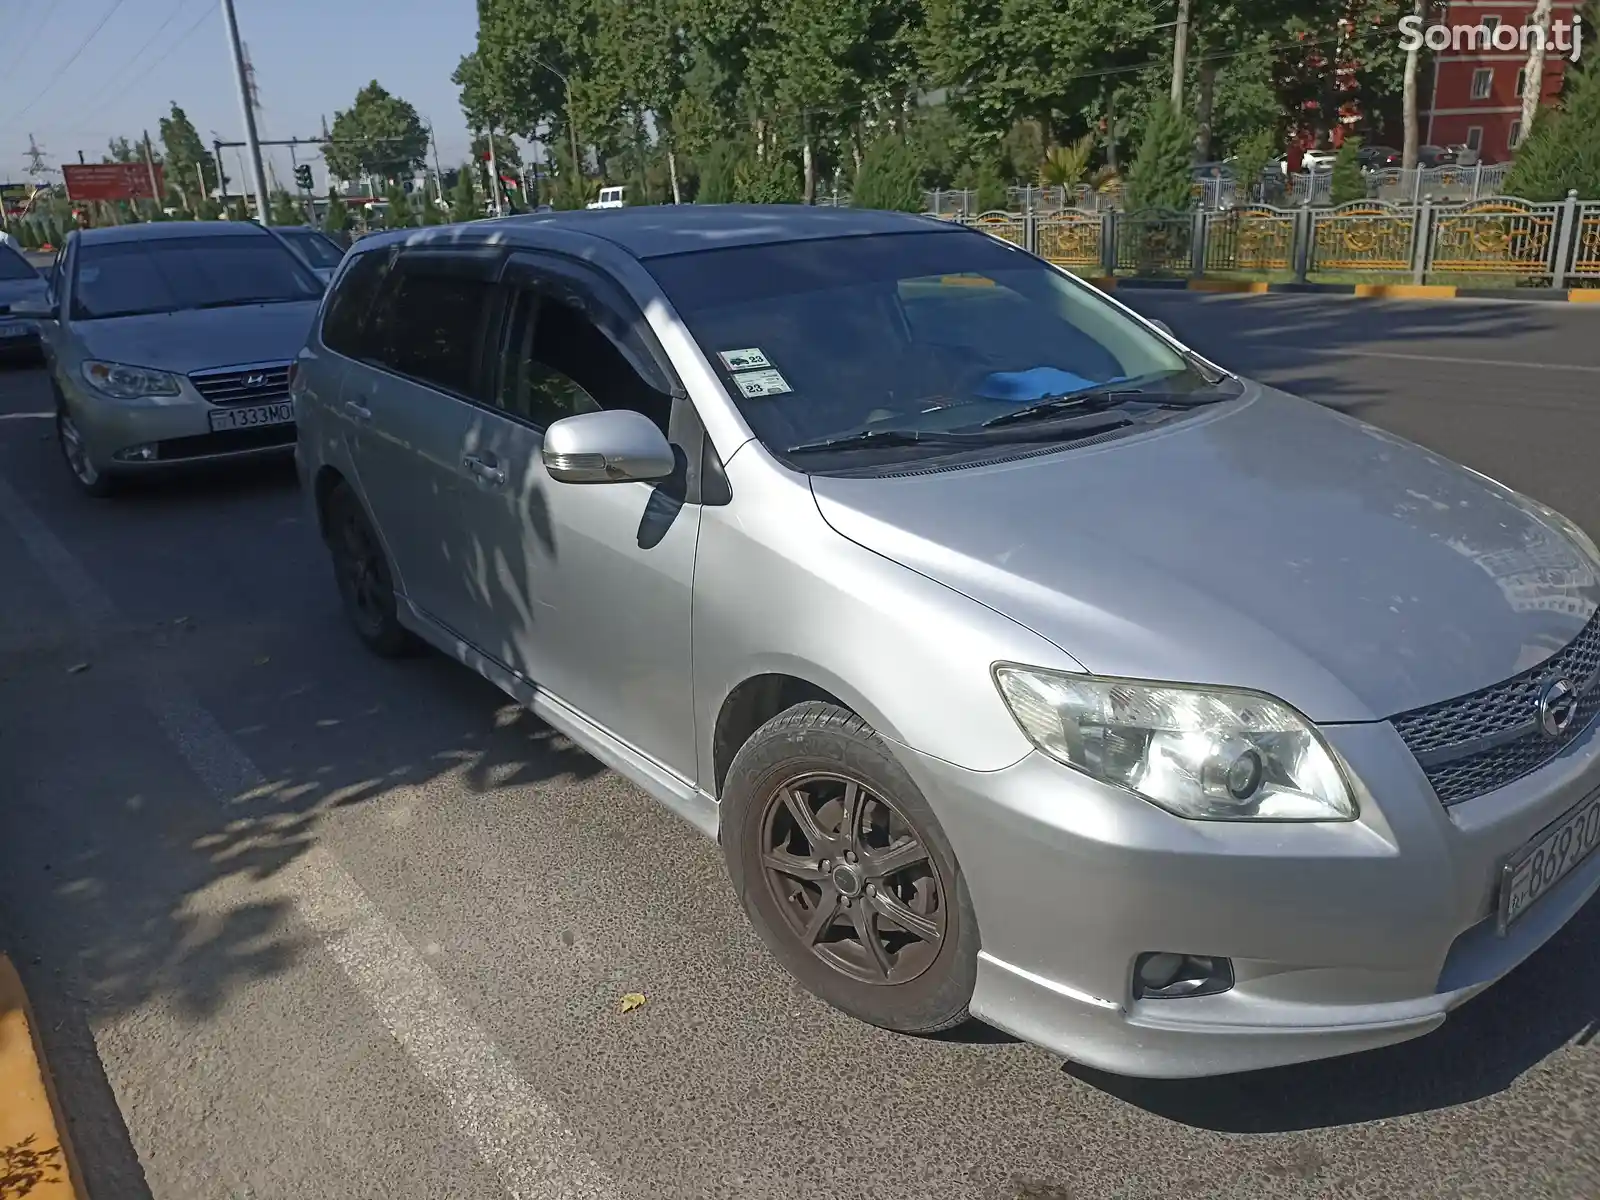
1090	399
887	437
248	301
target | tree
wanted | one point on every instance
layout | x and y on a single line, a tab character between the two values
237	211
1347	182
1533	74
379	134
983	180
1562	151
430	206
717	174
1251	157
1408	152
121	150
397	205
507	154
189	163
769	180
888	178
1161	175
337	219
284	209
1065	166
464	204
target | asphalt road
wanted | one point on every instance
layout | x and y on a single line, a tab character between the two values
301	923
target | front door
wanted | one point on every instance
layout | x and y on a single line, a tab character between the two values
587	587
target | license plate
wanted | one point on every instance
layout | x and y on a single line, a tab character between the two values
14	331
1549	859
249	418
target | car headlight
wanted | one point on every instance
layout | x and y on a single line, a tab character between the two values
1209	754
122	382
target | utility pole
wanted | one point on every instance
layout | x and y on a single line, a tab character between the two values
150	165
494	175
1180	53
242	77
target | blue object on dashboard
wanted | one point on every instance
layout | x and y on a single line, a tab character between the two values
1033	384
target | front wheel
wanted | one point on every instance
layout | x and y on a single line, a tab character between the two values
846	874
75	453
365	582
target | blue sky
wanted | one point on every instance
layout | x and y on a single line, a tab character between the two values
310	57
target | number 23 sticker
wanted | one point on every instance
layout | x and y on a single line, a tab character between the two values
755	384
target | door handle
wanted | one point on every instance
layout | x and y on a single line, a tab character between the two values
483	470
359	411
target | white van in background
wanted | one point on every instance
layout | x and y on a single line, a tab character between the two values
610	197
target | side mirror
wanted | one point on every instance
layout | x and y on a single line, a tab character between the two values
32	309
615	446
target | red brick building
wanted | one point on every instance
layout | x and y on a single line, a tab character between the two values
1477	92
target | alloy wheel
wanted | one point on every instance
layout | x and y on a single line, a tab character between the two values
363	571
853	878
73	449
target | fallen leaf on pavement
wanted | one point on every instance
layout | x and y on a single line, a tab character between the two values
632	1001
77	668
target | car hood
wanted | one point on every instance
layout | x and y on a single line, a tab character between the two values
1268	543
200	339
12	290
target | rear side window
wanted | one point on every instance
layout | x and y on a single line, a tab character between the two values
14	267
432	326
344	324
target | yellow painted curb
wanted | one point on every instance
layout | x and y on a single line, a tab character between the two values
1407	291
1584	296
1106	283
1254	286
35	1159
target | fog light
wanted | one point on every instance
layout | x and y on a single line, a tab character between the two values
145	453
1161	975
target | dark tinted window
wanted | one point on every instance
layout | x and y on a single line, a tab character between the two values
432	324
558	363
155	274
13	266
353	297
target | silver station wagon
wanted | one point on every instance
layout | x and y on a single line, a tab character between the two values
1025	662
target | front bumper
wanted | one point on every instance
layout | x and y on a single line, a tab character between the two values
1343	937
180	429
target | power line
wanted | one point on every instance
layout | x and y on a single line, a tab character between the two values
59	71
162	57
121	73
23	42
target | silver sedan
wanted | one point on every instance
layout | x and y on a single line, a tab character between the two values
170	344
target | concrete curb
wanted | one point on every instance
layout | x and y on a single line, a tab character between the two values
1369	291
34	1145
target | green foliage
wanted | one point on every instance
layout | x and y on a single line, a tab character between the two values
1347	183
209	210
26	235
337	218
983	178
187	159
380	134
717	171
1562	151
769	180
507	154
53	235
284	209
889	178
1064	166
464	204
1161	173
1253	154
238	210
430	205
397	206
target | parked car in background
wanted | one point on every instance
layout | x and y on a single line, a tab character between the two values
951	595
20	283
1374	158
1465	155
1436	156
610	197
170	343
314	248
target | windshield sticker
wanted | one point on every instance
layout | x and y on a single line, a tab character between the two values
966	281
744	360
755	384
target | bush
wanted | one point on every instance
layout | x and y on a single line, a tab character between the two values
1348	183
984	179
770	180
398	214
890	177
1162	171
1562	151
717	174
1251	157
464	197
337	219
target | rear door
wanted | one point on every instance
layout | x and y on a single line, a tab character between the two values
409	405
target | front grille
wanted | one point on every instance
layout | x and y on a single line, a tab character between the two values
1488	738
226	441
265	384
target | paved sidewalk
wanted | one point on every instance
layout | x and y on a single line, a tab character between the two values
35	1160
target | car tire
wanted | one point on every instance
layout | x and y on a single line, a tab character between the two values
88	478
881	860
366	584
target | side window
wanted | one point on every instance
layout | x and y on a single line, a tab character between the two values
433	323
557	363
344	323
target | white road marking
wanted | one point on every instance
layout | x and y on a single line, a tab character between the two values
518	1134
1453	359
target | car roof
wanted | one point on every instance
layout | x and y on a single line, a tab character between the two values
161	230
653	231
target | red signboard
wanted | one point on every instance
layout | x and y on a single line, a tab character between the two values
110	181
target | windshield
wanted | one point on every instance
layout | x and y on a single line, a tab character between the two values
13	266
318	250
152	275
938	331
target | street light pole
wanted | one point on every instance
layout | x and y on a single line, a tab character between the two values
258	175
572	119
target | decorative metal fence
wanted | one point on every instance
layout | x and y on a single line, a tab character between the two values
1551	244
